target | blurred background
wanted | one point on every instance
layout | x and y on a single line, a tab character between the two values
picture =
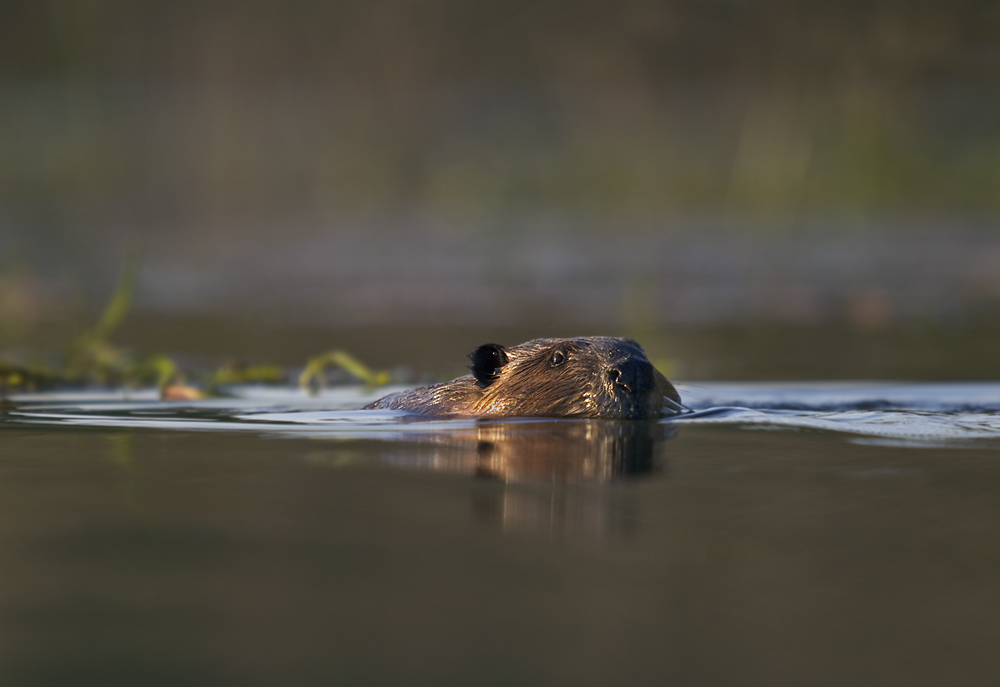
752	189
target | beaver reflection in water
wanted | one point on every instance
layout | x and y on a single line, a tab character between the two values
588	377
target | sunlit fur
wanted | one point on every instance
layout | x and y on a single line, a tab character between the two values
530	386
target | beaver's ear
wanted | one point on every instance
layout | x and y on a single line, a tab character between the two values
487	361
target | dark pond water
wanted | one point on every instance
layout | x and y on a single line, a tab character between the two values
783	534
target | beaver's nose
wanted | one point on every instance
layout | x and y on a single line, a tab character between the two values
633	374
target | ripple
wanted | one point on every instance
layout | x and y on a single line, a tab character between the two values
903	414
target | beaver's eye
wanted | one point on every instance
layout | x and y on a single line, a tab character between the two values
557	359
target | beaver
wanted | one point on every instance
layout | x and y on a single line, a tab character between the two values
586	377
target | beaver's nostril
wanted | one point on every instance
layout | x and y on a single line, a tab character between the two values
635	375
617	378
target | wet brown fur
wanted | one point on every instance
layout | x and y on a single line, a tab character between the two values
528	383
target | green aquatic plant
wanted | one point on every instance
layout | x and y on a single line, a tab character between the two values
241	373
91	355
14	377
313	378
116	310
93	359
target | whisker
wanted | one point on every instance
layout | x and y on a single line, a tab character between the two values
677	407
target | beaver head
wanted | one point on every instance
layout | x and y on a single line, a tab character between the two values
587	377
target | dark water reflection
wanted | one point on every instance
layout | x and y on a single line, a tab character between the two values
581	553
546	459
557	451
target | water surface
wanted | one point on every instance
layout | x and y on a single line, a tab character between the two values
275	537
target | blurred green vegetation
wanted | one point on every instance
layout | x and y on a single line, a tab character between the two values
634	108
313	377
92	359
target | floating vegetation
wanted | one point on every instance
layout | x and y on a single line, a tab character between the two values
13	376
91	359
92	347
313	377
242	373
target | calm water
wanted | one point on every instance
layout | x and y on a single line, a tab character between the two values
783	534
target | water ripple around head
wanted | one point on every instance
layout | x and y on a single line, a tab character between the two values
905	414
